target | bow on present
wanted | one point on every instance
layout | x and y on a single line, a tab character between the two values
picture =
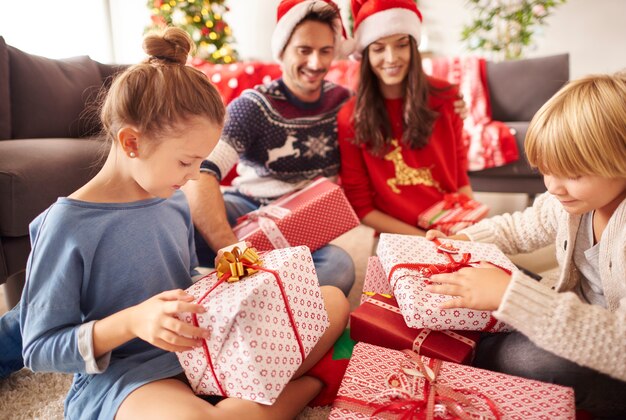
451	201
266	217
235	265
417	393
436	397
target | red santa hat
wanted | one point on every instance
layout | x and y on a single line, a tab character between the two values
291	12
375	19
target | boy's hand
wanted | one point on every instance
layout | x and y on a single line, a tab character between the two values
480	288
153	321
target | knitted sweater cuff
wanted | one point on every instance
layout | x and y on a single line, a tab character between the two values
525	303
479	232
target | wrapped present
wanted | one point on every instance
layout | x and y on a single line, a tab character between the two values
409	261
264	318
313	216
375	281
379	321
453	213
388	384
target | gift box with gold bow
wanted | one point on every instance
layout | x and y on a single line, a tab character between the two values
378	321
389	384
409	262
453	213
313	216
265	314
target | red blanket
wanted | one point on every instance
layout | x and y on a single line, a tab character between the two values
490	143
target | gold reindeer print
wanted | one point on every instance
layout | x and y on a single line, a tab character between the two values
405	175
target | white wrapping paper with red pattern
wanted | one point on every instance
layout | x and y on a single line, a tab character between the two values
253	346
375	280
313	216
453	213
420	307
373	371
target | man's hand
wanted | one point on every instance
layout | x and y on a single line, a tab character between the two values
480	288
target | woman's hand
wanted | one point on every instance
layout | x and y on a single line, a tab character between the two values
434	234
480	288
153	321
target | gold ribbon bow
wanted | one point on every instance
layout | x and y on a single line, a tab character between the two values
237	265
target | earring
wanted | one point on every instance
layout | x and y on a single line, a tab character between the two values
132	155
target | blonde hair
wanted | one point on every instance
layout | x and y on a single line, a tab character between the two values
581	130
161	93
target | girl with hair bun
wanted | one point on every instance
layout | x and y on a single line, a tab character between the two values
110	262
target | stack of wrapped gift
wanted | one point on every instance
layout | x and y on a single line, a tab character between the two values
410	261
385	384
453	213
264	318
379	321
313	216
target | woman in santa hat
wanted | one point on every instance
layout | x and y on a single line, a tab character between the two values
400	139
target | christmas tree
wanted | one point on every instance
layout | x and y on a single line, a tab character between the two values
203	20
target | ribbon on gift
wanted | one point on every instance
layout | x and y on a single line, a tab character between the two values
469	208
454	200
266	217
424	271
232	267
404	398
424	332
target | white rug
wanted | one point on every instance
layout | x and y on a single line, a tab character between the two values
39	396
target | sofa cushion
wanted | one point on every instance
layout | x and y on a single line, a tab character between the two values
34	172
5	102
518	88
48	96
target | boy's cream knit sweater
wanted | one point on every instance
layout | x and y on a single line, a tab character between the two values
557	320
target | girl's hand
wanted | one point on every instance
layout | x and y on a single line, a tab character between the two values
153	321
434	234
480	288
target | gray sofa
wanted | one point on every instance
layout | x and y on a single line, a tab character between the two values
517	89
47	147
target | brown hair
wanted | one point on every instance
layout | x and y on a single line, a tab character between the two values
161	92
581	130
371	122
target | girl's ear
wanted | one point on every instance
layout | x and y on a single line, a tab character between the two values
128	139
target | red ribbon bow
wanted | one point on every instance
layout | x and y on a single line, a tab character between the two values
451	201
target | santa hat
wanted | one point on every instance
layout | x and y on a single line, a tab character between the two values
375	19
291	12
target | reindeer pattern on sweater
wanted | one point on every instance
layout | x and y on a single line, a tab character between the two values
279	142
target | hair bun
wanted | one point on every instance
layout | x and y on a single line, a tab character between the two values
172	45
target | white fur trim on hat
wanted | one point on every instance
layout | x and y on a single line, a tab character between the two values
285	26
386	23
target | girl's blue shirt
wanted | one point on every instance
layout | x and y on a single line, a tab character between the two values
89	261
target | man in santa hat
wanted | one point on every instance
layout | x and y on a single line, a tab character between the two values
282	136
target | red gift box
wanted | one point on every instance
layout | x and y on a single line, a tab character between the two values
382	383
262	327
375	281
313	216
379	321
453	213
